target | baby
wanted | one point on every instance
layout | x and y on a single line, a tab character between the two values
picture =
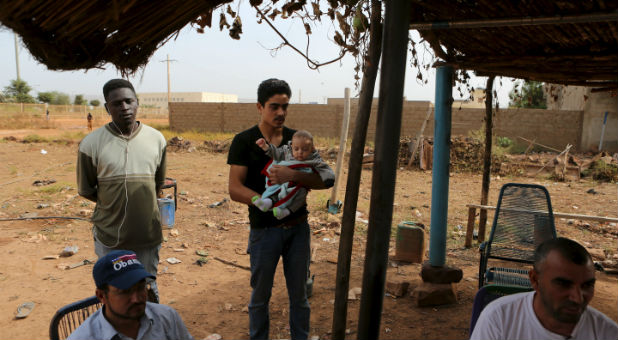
299	154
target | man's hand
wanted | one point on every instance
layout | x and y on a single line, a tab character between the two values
262	144
281	174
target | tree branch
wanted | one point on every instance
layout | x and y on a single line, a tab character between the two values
310	63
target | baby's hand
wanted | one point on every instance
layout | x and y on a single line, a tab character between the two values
262	144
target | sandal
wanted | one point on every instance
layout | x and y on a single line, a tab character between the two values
24	310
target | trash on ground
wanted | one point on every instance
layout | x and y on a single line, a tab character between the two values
29	215
354	293
24	310
42	182
51	257
65	266
69	251
43	152
201	261
173	260
36	238
218	204
42	205
213	336
201	252
174	232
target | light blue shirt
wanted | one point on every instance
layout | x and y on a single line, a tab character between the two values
159	322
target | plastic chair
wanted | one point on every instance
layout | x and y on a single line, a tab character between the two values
171	183
69	317
523	220
487	294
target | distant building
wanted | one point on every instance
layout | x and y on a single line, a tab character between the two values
159	99
353	101
598	108
477	100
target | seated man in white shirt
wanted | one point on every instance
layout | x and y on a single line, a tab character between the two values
563	279
121	287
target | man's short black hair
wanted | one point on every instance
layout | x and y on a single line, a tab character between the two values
271	87
569	249
117	84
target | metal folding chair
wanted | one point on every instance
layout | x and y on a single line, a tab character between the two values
523	220
69	317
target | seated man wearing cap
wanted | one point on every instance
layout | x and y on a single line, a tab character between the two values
121	287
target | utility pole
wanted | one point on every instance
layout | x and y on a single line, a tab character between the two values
17	56
169	91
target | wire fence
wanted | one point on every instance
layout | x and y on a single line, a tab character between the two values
22	116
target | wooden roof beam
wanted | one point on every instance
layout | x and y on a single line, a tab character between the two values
509	22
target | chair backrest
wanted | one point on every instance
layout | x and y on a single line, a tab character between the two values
487	294
69	317
523	220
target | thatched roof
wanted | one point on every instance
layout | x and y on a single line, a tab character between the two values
556	41
84	34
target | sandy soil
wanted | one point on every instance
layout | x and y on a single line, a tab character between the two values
212	298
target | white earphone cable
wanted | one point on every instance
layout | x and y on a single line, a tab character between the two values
126	190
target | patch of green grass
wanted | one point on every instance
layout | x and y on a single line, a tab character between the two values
54	188
601	171
196	136
75	136
35	139
160	127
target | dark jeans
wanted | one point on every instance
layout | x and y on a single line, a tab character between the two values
265	247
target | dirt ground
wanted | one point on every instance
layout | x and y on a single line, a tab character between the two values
213	298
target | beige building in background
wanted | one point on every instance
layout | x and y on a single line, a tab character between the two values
477	100
593	106
159	99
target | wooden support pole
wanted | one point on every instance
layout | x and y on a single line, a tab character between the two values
419	136
470	226
487	155
342	142
388	129
344	258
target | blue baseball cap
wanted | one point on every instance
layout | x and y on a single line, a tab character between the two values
119	268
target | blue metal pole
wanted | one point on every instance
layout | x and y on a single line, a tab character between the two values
441	160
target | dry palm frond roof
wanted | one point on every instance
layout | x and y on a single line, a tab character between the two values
577	42
85	34
487	36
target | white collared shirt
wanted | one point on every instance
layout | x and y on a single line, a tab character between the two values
159	322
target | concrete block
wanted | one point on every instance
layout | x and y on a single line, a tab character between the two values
396	288
440	275
432	294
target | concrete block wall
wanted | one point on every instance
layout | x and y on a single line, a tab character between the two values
550	127
555	128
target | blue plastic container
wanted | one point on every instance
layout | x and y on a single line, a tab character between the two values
167	210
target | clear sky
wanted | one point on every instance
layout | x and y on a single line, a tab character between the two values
214	62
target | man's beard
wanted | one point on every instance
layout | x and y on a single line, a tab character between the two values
558	313
141	306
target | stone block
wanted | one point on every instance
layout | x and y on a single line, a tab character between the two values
597	254
440	275
397	289
432	294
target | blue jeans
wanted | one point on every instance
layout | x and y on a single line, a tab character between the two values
265	247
